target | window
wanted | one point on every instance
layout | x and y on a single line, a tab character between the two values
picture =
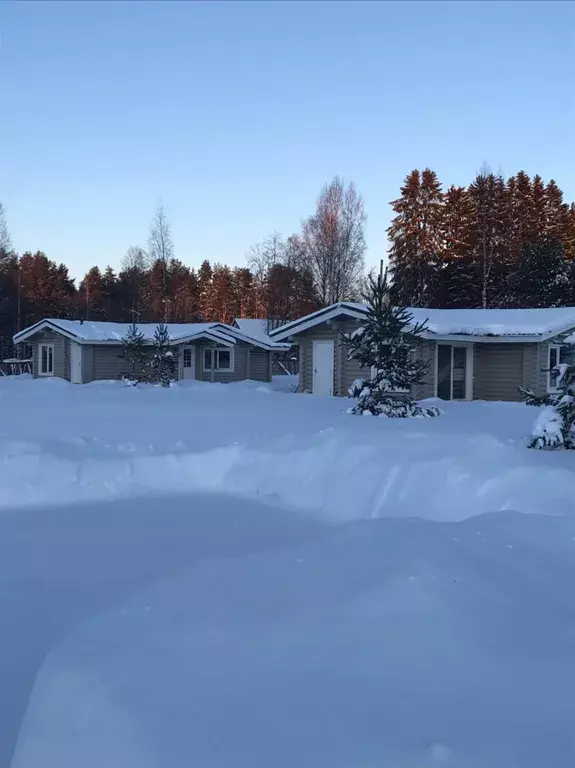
218	359
556	355
224	360
187	360
208	353
45	360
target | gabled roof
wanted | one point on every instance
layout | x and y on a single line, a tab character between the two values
255	327
88	332
484	324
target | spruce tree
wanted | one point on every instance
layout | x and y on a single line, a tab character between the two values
385	345
416	235
543	276
555	425
134	350
459	286
163	357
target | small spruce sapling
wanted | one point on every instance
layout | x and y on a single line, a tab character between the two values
555	425
163	358
385	345
134	350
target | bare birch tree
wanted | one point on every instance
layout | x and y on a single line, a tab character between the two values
263	256
134	275
334	242
5	239
160	244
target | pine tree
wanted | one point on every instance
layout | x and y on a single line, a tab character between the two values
89	297
205	288
524	216
491	236
110	296
244	292
560	218
134	350
458	284
162	363
184	299
539	227
385	344
222	295
416	235
555	425
569	237
542	278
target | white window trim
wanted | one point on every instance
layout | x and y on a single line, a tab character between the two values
40	348
189	349
551	389
215	352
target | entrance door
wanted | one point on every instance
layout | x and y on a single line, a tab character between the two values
189	363
323	367
453	371
75	363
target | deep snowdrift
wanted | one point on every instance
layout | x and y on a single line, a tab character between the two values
386	643
155	627
104	441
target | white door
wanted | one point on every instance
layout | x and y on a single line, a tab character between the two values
189	363
323	367
75	363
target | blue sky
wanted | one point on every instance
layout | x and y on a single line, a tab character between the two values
235	114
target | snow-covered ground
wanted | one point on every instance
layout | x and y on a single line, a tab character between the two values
236	576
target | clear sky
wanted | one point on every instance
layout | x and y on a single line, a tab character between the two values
235	114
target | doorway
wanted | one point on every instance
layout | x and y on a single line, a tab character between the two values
75	363
454	371
189	362
322	367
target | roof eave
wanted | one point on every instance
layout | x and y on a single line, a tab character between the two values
316	318
483	339
21	336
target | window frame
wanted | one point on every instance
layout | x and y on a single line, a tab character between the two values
187	349
550	388
41	346
214	360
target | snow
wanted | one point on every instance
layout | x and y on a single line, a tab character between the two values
540	322
496	322
233	575
99	332
254	327
548	426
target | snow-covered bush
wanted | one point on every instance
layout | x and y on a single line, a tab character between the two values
555	425
163	360
385	345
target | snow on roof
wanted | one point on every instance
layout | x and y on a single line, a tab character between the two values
459	322
255	327
496	322
105	332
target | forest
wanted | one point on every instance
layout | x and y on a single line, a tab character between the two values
494	243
